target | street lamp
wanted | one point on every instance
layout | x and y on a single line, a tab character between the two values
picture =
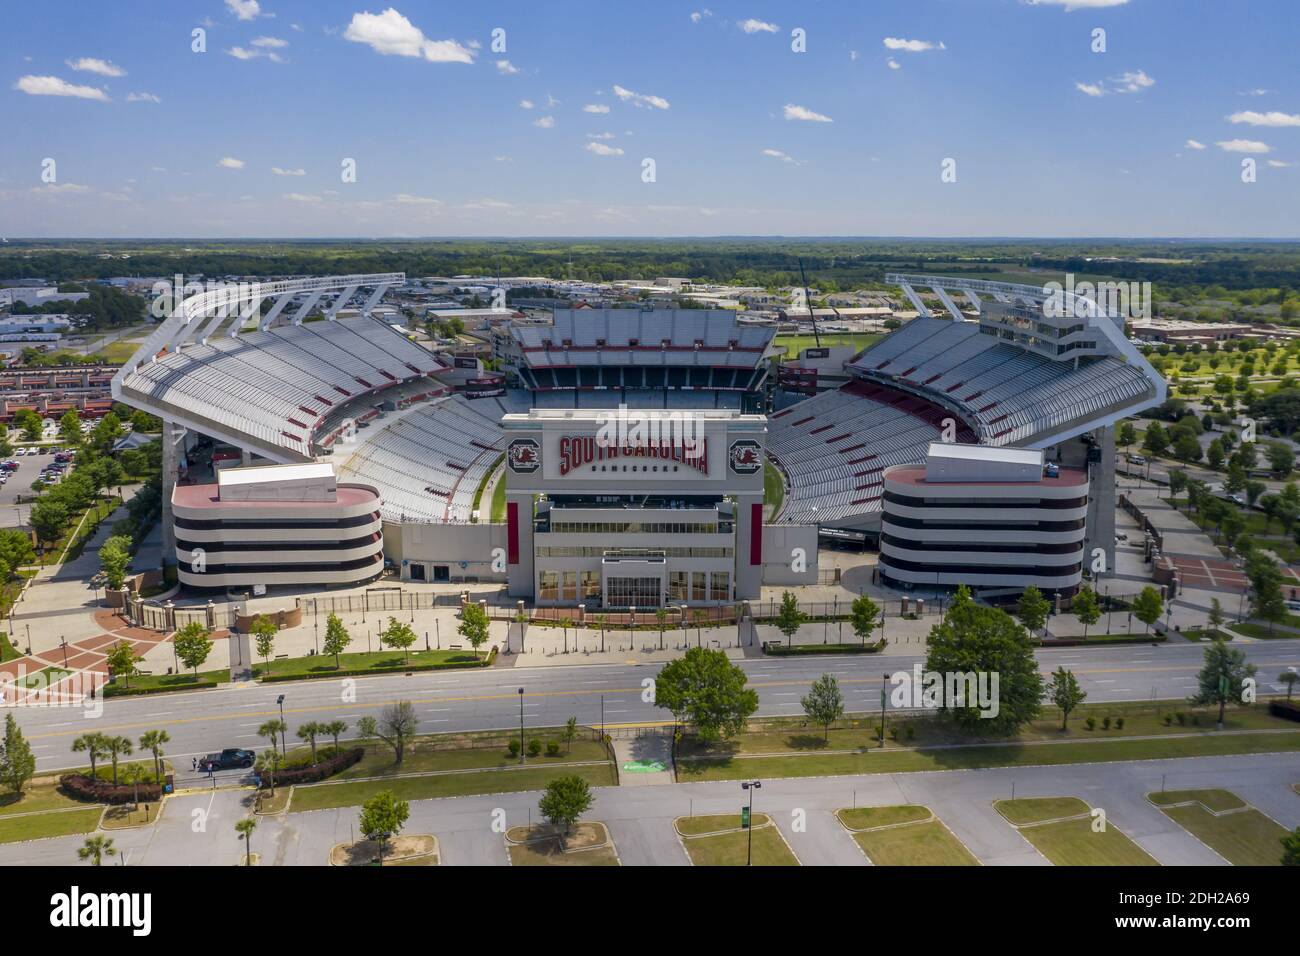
521	725
280	700
750	786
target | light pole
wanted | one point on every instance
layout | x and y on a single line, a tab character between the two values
750	786
280	700
521	725
63	643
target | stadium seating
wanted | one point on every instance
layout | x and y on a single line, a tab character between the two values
281	384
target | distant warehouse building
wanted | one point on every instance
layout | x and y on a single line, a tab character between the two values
984	517
277	524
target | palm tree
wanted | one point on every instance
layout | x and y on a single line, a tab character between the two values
96	848
117	747
335	729
92	744
272	730
308	732
245	828
152	741
1289	678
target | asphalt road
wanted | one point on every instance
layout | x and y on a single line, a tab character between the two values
200	722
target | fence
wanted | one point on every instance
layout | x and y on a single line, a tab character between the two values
397	599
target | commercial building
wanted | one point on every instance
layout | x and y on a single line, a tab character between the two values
277	524
986	518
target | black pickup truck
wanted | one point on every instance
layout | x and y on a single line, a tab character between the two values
226	760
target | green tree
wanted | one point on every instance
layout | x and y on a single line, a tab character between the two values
70	427
114	559
1064	691
268	765
245	828
566	799
1288	678
334	729
1291	848
123	662
382	818
1267	601
863	617
30	423
570	732
705	689
17	762
1126	435
1281	459
152	741
264	631
95	848
473	625
400	636
824	703
1222	677
48	517
789	618
309	732
397	724
1148	606
1177	482
1216	616
1156	439
273	730
117	746
192	645
1032	608
978	640
337	638
1086	608
92	745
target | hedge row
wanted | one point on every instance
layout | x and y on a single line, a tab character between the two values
375	671
1286	709
113	690
784	650
80	787
1101	641
317	771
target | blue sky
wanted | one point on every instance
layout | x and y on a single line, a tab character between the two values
453	138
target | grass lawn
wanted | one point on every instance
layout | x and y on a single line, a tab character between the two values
913	837
161	683
1261	631
901	760
42	825
794	344
1243	836
773	487
499	500
126	816
487	476
1071	842
36	797
731	848
384	661
321	796
588	845
46	677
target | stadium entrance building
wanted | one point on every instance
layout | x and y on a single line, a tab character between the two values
634	508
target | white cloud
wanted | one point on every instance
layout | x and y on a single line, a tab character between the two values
1243	146
301	197
600	135
244	9
143	98
1092	89
54	86
406	199
758	26
1193	144
1274	118
600	149
1278	164
1132	82
506	68
229	162
90	64
1071	5
699	15
912	46
545	122
392	34
793	112
783	156
55	189
273	43
894	64
526	104
1256	92
244	53
288	172
595	108
640	99
551	102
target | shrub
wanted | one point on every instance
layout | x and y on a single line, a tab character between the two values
1169	719
1091	723
1105	722
80	787
1119	723
1181	717
534	747
1286	709
513	747
318	771
552	748
911	731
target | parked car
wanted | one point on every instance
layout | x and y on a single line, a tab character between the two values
226	760
1136	460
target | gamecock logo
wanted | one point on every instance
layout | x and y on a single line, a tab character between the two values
745	457
523	456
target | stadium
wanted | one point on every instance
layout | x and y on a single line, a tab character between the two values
306	450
